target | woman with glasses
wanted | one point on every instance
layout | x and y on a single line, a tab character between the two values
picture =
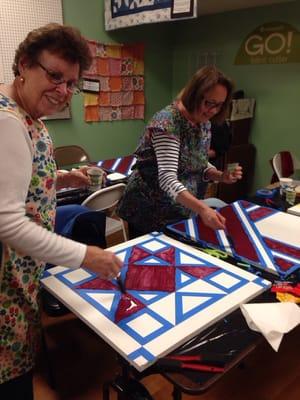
47	67
172	168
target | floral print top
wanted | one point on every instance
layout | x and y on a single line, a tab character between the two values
144	204
19	273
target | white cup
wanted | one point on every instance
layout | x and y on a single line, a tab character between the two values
232	166
95	175
284	184
290	195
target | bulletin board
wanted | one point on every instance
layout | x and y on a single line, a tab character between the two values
17	18
1	68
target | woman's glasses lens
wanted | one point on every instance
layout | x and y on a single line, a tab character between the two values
57	79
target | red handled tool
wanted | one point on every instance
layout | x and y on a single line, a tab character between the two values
216	360
210	362
286	287
177	365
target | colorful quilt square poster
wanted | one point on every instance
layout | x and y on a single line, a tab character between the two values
120	71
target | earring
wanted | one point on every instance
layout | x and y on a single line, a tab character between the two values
22	79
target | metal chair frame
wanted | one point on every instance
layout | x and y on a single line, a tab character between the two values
277	164
106	200
69	155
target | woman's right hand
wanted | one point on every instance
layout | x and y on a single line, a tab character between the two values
104	263
209	216
212	218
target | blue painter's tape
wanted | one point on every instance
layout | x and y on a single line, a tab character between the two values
265	193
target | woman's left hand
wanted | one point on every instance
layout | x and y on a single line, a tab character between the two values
85	168
232	176
78	179
74	178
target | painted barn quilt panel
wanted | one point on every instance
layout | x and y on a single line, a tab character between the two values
172	292
122	165
125	13
120	71
262	236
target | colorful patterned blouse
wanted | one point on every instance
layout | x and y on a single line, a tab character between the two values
145	204
20	274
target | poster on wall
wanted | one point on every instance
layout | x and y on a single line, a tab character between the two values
121	14
270	43
114	84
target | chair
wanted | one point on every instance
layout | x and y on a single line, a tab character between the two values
68	155
213	202
106	200
284	165
82	225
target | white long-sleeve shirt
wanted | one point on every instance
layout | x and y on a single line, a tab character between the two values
16	229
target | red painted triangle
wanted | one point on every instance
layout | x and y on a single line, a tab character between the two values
179	227
128	305
97	283
282	247
137	254
246	203
167	255
260	212
199	272
283	264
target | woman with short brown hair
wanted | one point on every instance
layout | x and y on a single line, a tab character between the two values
172	168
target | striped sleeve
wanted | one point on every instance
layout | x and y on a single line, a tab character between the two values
166	149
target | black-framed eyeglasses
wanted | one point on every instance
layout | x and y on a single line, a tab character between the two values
57	79
209	104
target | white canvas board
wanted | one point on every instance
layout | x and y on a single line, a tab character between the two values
170	311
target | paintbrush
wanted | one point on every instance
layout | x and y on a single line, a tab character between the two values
230	240
120	283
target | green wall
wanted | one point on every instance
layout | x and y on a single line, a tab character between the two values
172	54
276	88
109	139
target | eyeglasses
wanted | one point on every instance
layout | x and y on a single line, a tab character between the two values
57	79
209	104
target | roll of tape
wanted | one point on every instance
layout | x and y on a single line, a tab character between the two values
265	193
